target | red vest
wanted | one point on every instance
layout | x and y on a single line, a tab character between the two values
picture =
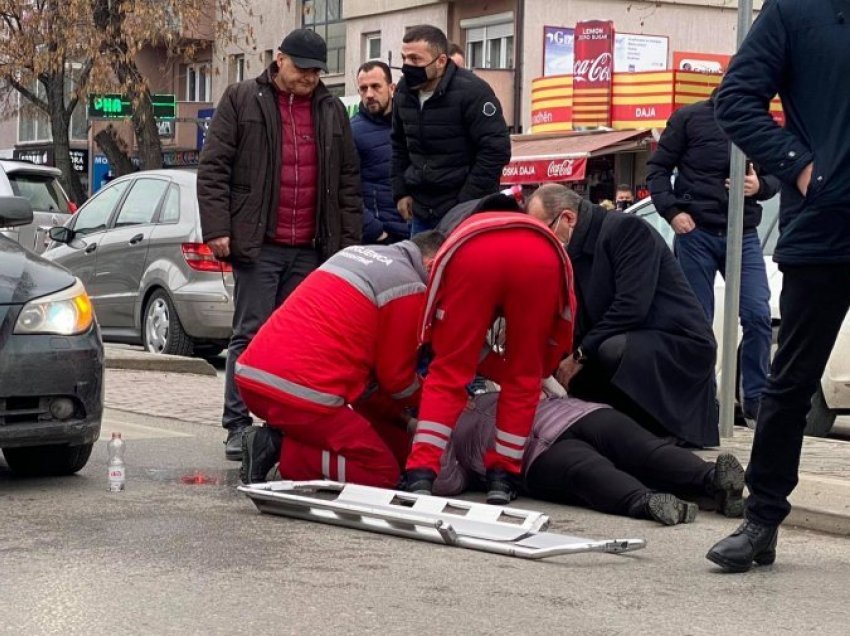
299	172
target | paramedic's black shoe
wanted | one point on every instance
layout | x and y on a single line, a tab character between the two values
751	542
260	452
727	485
669	509
501	487
233	445
419	481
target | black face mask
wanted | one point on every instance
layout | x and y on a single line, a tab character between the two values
416	76
623	204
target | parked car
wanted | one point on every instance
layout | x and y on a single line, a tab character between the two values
833	395
40	186
137	247
51	359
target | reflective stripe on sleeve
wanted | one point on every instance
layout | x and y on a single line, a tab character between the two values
433	427
433	440
340	468
510	439
292	388
508	452
326	464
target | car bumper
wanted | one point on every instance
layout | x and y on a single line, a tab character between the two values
35	371
206	312
836	378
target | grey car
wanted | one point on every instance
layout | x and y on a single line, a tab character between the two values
40	186
137	247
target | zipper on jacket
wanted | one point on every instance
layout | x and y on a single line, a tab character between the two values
297	162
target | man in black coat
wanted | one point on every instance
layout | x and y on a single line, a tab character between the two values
643	343
697	207
800	50
450	141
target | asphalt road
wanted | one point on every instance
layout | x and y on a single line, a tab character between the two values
165	557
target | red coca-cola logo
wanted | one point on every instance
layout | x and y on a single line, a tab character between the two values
559	169
596	70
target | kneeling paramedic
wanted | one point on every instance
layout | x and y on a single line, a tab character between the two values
350	326
494	265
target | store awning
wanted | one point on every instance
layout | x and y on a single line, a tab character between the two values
539	158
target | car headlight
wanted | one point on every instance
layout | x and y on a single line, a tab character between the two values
65	313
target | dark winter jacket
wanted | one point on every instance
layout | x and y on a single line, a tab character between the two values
451	149
372	137
239	170
694	143
628	282
802	51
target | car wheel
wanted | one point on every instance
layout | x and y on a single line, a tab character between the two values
161	327
820	418
38	461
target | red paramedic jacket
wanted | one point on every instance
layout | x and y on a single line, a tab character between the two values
561	340
352	324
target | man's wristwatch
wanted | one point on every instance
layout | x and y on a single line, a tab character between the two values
579	356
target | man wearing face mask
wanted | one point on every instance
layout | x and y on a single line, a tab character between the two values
643	343
278	193
371	126
450	141
624	198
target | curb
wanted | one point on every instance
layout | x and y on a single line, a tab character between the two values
130	359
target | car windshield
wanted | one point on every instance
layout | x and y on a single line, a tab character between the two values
42	191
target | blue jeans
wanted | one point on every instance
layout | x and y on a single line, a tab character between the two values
702	254
423	225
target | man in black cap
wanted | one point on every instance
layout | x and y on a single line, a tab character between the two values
278	192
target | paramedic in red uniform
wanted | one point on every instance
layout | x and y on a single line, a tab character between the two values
351	328
494	264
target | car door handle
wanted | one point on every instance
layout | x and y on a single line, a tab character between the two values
91	248
136	239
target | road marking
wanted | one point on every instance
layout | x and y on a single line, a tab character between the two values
137	431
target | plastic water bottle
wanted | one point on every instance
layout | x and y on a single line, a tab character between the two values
115	448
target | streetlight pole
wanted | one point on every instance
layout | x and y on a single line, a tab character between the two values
734	240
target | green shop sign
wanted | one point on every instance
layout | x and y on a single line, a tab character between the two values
119	107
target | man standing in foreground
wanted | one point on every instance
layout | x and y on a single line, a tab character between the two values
450	140
371	127
800	50
278	192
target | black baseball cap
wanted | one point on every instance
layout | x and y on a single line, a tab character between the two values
306	48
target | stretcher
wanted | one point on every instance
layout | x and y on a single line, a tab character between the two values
476	526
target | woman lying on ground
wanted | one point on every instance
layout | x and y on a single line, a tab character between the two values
587	454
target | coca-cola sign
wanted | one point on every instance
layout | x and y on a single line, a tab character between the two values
593	63
530	170
560	169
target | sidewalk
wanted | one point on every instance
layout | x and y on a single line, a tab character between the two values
821	500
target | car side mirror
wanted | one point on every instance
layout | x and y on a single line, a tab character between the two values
66	235
15	211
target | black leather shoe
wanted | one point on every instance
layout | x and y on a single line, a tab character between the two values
501	487
669	509
419	481
260	452
727	485
233	445
751	542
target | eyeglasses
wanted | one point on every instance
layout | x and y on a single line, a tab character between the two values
554	223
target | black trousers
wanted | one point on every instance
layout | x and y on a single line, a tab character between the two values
260	288
813	303
608	462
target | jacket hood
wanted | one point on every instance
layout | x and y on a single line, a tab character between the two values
24	275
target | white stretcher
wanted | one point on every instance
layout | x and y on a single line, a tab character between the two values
465	524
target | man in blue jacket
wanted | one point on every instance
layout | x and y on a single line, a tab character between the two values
800	50
371	127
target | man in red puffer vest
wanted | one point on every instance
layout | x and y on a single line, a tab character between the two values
334	367
493	265
278	193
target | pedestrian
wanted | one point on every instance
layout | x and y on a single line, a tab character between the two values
643	343
800	51
450	141
278	192
371	126
457	55
623	198
494	265
334	367
588	454
696	207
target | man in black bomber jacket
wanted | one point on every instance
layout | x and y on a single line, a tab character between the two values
449	140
